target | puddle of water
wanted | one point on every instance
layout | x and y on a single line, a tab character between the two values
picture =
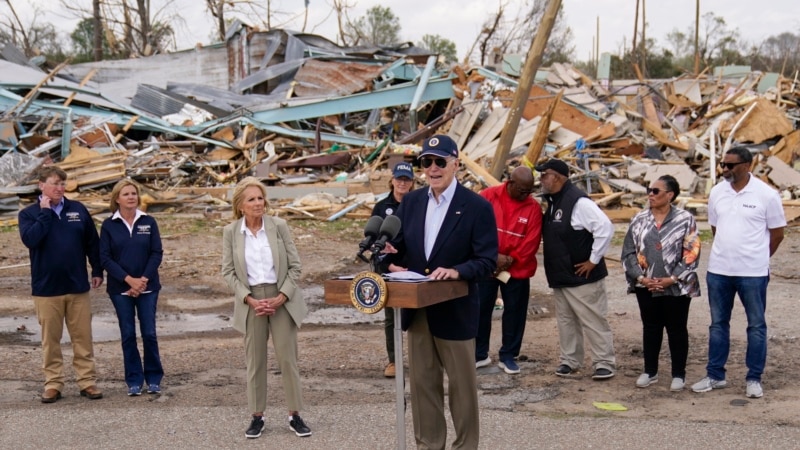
322	314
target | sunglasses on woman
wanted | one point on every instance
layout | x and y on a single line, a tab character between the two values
440	162
654	191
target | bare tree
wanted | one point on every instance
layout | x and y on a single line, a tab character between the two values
343	22
780	53
504	33
717	41
14	30
217	10
131	27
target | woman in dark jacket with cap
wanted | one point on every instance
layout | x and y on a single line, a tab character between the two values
402	183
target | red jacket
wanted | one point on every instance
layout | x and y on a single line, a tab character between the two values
519	229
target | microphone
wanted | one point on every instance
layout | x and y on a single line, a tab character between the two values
389	229
371	232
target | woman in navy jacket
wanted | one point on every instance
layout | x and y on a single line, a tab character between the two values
130	251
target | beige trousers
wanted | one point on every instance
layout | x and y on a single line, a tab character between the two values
580	311
284	341
429	358
76	311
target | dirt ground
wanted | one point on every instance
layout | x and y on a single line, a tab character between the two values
342	351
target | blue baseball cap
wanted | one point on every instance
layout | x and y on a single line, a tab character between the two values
403	169
439	145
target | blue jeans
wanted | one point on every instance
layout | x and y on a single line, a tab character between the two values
516	294
128	308
753	295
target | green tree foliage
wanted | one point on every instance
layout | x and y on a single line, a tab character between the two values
82	42
658	63
379	26
437	44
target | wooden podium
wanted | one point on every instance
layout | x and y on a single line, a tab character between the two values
401	295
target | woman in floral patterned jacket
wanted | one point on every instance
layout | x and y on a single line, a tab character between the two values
660	257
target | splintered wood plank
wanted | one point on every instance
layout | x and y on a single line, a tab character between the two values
463	123
542	131
488	131
603	185
787	147
648	107
478	171
567	115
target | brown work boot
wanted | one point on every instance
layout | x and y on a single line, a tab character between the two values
92	392
51	396
389	371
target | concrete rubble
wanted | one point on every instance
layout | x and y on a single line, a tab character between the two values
322	125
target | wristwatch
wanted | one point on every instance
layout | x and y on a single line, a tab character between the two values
673	278
639	278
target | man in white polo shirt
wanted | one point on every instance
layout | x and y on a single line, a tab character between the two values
747	220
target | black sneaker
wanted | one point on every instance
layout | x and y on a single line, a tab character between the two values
563	370
299	427
256	426
602	374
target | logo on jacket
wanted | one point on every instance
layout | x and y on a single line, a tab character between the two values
368	292
389	211
557	215
73	216
143	229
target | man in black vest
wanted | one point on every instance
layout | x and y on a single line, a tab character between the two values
576	235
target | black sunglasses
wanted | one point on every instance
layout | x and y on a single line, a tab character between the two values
654	191
730	166
426	162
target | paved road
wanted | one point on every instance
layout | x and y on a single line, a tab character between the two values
77	424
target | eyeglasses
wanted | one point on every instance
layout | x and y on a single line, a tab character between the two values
426	162
731	165
59	184
654	191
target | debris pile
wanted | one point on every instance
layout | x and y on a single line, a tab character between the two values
322	125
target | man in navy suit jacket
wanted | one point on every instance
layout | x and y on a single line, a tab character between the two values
448	233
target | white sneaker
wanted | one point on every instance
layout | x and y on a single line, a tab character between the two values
646	380
677	384
754	389
707	384
483	362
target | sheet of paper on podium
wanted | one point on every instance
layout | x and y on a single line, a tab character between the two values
406	277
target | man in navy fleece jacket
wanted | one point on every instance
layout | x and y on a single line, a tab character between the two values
61	236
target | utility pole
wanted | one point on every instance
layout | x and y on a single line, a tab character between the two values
697	38
644	40
634	50
597	43
97	37
532	62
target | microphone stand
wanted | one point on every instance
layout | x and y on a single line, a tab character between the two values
374	262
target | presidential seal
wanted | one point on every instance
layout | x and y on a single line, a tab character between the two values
368	292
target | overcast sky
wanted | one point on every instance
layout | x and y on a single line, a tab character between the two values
460	21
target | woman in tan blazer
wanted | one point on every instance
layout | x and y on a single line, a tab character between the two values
261	266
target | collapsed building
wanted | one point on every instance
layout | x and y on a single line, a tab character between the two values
321	124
